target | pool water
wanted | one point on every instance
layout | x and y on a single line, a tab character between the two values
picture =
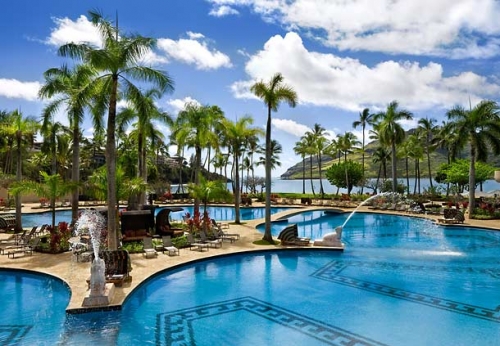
33	308
219	213
400	281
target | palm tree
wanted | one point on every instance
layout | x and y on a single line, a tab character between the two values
381	155
480	126
117	65
70	87
392	133
235	137
21	130
276	149
301	149
193	129
146	113
319	143
365	118
51	187
346	144
308	139
428	129
272	93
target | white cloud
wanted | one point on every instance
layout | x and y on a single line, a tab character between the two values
329	80
222	11
290	126
178	105
79	31
194	51
447	28
12	88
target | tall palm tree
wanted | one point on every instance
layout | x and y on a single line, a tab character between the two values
365	118
427	127
308	139
481	128
70	87
381	155
145	112
392	133
117	65
193	129
346	144
275	159
22	131
235	137
300	148
319	145
272	93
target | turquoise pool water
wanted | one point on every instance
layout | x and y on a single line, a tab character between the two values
400	281
33	308
220	213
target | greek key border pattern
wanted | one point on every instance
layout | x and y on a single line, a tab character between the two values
13	334
332	272
175	328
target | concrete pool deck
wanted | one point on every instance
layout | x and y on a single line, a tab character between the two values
65	267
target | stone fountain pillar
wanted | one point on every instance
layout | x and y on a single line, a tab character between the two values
100	293
332	239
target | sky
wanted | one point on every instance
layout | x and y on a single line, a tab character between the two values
339	56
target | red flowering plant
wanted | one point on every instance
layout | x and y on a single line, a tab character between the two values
59	237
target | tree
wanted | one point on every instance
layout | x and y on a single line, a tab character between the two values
70	87
301	149
457	173
391	133
117	65
272	93
427	129
480	126
319	144
146	113
207	190
51	187
235	136
21	131
192	128
336	175
365	118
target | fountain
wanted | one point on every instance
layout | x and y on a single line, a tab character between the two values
333	239
101	293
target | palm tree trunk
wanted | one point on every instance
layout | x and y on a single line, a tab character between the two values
321	190
111	168
303	175
19	226
407	176
363	159
429	167
311	176
75	173
197	176
472	178
237	195
394	170
267	234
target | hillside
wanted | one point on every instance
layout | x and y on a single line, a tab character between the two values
437	158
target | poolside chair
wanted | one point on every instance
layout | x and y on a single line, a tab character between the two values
25	249
149	250
117	266
452	216
167	245
217	229
198	245
215	242
290	236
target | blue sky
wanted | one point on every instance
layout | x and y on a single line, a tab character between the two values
340	56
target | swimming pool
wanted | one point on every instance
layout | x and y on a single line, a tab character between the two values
400	281
220	213
33	308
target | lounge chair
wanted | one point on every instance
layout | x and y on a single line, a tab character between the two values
26	249
217	242
7	222
196	244
167	245
452	216
219	233
117	266
149	250
290	236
